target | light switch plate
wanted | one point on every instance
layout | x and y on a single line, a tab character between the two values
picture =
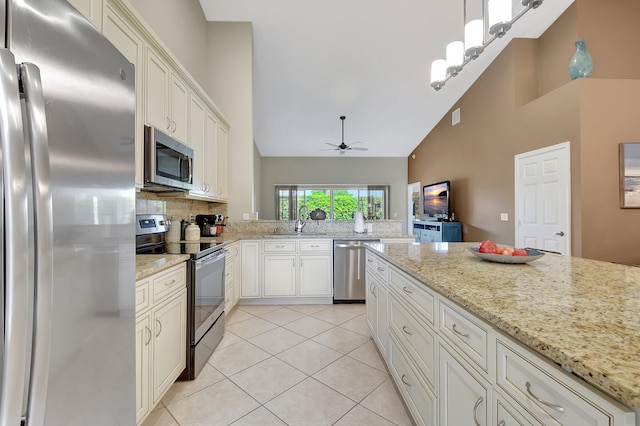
504	217
245	216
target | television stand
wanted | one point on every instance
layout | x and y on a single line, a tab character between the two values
435	231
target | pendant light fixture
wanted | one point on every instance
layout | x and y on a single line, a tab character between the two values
499	17
458	53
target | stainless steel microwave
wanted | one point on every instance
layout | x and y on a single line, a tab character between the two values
168	164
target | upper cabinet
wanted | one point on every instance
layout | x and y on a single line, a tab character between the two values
125	36
91	9
167	97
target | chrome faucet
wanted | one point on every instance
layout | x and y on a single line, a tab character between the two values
300	223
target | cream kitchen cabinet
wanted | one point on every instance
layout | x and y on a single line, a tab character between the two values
126	37
376	301
222	141
297	268
211	157
166	98
250	269
161	327
279	275
197	123
91	9
464	395
232	277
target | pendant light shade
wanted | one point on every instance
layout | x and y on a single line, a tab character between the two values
500	12
438	73
531	3
455	57
473	38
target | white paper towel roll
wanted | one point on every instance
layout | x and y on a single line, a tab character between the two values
359	224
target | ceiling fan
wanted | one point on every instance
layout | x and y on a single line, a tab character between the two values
343	147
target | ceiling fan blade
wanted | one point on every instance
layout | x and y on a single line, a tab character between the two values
355	143
330	144
360	149
329	149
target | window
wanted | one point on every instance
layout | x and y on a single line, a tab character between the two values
339	202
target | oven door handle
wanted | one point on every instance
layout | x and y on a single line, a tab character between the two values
200	263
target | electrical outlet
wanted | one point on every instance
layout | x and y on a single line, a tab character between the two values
245	216
504	217
455	117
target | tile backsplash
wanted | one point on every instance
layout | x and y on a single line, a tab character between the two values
177	208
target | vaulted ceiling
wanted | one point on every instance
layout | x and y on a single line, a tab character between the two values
316	60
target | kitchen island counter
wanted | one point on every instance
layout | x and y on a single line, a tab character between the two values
579	313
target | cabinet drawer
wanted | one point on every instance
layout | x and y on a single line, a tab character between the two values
228	272
228	299
315	245
420	400
546	397
168	282
279	246
416	338
143	301
415	295
466	333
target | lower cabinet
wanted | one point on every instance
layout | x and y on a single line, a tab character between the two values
455	369
232	277
287	268
250	268
161	335
465	397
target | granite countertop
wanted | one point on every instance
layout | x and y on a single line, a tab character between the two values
149	264
580	313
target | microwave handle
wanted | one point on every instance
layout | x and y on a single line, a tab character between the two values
190	160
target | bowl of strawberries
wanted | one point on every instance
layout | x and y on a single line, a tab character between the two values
492	252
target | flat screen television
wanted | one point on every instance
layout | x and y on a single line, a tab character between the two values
436	201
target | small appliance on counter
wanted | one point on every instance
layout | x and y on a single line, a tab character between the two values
358	226
210	224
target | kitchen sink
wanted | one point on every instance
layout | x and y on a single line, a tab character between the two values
299	233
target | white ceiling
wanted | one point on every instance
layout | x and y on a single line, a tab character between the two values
315	60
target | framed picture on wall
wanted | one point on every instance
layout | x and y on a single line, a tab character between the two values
630	175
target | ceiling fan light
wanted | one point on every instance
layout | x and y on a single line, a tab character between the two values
455	57
473	38
438	73
500	14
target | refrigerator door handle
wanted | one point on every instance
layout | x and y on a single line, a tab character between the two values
16	243
43	227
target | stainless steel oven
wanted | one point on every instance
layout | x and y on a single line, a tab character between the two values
205	287
205	298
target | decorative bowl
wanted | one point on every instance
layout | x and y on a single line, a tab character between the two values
501	258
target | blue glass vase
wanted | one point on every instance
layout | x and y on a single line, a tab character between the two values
581	64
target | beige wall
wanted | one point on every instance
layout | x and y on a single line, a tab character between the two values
181	25
525	100
328	170
231	86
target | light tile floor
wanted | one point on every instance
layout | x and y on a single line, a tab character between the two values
288	365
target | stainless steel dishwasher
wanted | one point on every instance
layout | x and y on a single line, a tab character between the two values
349	262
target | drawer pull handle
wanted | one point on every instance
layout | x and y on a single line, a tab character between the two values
370	260
502	423
405	329
558	408
279	246
159	331
149	334
380	268
315	245
457	332
404	381
475	410
406	290
173	281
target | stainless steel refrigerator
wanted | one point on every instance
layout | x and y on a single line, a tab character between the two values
68	253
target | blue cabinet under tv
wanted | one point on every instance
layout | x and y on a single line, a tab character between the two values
427	232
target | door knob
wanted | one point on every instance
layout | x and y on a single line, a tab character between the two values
561	233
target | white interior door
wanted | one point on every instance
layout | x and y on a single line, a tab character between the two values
543	198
